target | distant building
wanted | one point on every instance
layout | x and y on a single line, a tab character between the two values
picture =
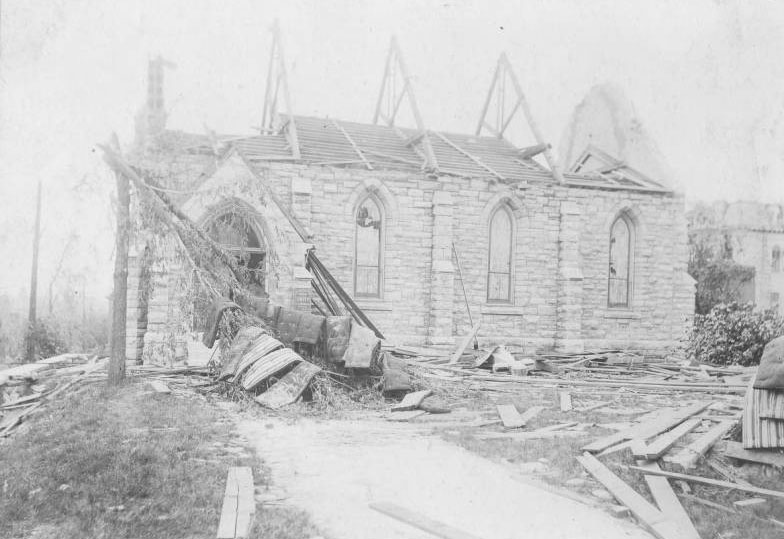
756	235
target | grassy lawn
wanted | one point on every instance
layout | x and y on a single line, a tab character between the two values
562	466
127	463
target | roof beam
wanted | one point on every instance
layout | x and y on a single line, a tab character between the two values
504	73
353	144
390	97
470	156
277	80
533	151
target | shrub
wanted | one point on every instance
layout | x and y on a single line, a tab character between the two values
47	336
733	334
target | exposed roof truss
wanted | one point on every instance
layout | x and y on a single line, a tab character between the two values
500	109
278	83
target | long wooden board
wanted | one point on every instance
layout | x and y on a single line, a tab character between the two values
647	429
667	501
663	443
565	399
660	524
735	450
714	482
688	457
510	417
464	344
289	388
239	504
227	526
418	520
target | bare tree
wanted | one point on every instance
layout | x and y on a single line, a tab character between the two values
119	296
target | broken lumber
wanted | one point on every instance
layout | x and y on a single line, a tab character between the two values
510	417
647	429
531	413
735	450
667	501
660	524
464	344
239	505
687	458
418	520
565	399
412	400
664	442
714	482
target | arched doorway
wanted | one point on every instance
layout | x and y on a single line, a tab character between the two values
236	232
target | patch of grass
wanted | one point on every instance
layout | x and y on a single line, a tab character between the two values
126	463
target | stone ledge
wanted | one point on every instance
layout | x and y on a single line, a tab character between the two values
378	305
502	309
622	313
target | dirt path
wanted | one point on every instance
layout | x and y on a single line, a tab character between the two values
333	469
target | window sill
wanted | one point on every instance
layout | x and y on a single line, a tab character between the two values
621	313
506	309
373	304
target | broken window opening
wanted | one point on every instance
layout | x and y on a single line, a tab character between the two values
235	234
775	262
499	272
619	281
368	249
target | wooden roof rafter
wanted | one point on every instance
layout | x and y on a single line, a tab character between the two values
472	157
391	97
504	74
353	144
277	81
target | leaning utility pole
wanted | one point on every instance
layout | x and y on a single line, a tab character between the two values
30	355
119	302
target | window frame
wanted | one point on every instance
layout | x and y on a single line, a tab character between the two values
238	252
632	241
775	259
512	240
381	246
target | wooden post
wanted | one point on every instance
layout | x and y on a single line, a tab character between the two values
120	296
31	322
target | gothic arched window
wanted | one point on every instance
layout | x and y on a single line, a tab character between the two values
368	249
621	248
499	264
235	234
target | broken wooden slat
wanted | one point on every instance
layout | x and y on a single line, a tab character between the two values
289	388
647	429
714	482
750	502
417	520
239	504
661	525
735	450
482	358
464	344
565	399
667	501
531	413
593	407
664	442
688	457
412	400
159	387
510	417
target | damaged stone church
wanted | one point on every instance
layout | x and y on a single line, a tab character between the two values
419	226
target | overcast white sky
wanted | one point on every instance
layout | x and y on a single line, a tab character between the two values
705	77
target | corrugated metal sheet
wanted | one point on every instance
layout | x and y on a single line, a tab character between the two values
261	347
760	432
268	365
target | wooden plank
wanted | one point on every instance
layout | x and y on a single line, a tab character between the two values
735	450
663	443
417	520
661	525
412	400
227	526
464	344
159	387
667	501
565	399
647	429
593	407
687	458
714	482
246	502
289	388
510	417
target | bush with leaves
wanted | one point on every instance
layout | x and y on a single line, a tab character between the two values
733	334
48	338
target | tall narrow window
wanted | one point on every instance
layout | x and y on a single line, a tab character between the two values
499	272
620	263
775	261
367	273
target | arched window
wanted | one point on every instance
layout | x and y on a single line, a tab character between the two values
368	249
236	235
775	261
621	248
499	266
